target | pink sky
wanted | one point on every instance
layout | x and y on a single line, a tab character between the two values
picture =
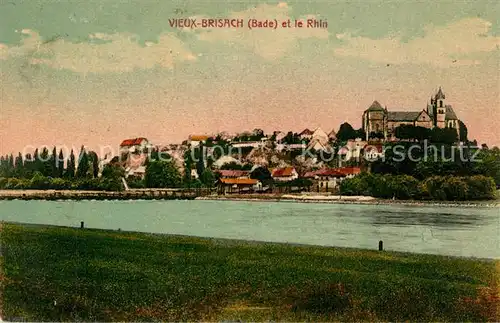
99	92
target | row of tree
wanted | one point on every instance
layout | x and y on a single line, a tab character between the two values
439	160
433	188
54	164
109	181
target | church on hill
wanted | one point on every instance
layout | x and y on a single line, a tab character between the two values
379	120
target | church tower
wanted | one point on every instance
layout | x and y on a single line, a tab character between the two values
439	109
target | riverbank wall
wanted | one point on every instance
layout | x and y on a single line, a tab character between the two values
139	194
205	194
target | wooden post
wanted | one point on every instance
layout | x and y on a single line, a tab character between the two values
81	225
380	245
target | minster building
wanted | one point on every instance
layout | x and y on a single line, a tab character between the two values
379	120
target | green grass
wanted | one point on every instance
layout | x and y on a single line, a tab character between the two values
53	274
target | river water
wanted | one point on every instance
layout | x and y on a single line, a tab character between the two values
455	231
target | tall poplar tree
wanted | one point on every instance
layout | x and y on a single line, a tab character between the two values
60	164
45	168
94	163
83	164
70	169
19	166
53	163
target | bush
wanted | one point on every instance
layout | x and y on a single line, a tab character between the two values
60	184
451	188
88	184
404	187
481	187
358	185
3	183
456	188
135	182
434	188
460	188
110	184
38	181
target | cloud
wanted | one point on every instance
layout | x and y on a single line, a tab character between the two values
101	53
443	46
268	43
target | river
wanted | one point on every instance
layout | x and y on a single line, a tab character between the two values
455	231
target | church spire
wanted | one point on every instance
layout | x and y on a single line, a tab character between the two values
440	95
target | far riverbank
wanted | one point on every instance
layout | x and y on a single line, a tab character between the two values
205	194
338	199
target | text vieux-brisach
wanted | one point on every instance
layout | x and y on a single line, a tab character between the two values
241	23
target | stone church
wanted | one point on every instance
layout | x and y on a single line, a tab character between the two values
377	119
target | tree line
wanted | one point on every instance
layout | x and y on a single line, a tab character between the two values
455	188
45	170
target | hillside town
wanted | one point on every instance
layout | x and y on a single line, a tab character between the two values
315	157
252	152
342	161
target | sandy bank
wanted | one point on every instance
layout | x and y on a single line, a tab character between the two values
337	199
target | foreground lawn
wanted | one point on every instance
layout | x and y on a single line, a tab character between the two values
53	274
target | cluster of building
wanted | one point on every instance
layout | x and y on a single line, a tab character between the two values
376	119
322	180
317	140
240	181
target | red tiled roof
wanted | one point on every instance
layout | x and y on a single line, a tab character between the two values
233	173
283	172
132	142
349	170
198	137
329	172
242	181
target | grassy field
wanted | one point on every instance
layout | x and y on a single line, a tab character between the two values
53	274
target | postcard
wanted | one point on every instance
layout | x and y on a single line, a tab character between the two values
290	160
